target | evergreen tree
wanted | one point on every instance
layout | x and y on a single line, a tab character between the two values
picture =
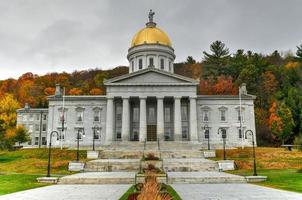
299	52
190	60
216	61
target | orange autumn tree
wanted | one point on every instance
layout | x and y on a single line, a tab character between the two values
75	91
49	91
96	91
224	85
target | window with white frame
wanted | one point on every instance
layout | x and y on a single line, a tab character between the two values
240	114
43	127
79	115
44	117
31	117
223	114
30	128
162	63
97	115
62	115
206	115
37	117
97	134
37	127
24	117
151	62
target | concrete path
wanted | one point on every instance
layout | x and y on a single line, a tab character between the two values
70	192
232	192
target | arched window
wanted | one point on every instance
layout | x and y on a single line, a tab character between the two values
140	63
162	63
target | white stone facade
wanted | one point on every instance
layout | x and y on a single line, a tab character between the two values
151	103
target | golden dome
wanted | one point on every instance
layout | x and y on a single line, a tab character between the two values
151	35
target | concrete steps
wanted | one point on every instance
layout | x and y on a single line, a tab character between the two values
129	178
204	177
112	165
189	165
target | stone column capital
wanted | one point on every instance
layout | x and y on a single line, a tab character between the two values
177	97
160	97
125	97
142	98
193	97
110	97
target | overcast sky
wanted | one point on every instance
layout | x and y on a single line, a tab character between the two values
43	36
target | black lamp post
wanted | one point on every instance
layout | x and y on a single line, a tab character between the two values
223	134
49	152
78	142
207	134
95	128
254	154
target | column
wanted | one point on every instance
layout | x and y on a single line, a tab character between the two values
177	119
193	120
109	120
142	119
160	118
126	119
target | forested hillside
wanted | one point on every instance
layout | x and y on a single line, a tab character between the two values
275	79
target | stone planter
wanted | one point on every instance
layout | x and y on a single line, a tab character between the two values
209	153
225	165
51	180
75	166
255	179
92	154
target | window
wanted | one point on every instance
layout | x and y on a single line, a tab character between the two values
240	133
118	135
62	117
36	140
135	114
37	116
97	134
31	117
44	117
80	116
206	133
162	63
140	64
205	115
97	115
151	62
223	133
170	68
151	115
37	127
119	113
79	133
31	128
167	114
44	141
185	132
132	66
24	117
222	115
43	127
184	113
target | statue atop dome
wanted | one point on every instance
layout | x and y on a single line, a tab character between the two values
151	23
151	14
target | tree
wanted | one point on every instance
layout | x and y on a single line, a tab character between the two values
96	91
190	60
21	135
216	61
224	85
75	91
299	52
8	109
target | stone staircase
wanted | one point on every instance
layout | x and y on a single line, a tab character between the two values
182	161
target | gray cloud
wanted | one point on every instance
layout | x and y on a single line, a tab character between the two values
45	36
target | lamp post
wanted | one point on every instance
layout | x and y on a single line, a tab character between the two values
78	142
207	134
95	128
49	152
223	134
254	154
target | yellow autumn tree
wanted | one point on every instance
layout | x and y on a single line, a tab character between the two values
8	108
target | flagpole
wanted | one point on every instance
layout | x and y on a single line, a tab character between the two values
240	120
63	119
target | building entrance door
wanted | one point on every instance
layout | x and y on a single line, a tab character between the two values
151	121
151	133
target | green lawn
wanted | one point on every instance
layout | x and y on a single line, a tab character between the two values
286	179
17	182
19	169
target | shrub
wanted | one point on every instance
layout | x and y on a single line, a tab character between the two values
298	141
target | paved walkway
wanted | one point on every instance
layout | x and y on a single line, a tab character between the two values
70	192
232	192
186	191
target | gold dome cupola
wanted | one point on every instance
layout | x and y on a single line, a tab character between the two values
151	47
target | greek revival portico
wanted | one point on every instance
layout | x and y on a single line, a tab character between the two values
151	104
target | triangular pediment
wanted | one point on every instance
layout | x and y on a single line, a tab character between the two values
151	76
